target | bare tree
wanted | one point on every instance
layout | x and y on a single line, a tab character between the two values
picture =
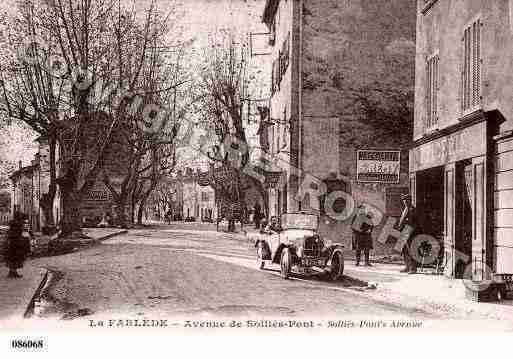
226	90
102	53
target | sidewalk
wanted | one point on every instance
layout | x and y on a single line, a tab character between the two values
425	289
15	294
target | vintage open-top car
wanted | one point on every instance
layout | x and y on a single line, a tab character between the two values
298	248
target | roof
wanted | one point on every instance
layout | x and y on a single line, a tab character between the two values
269	11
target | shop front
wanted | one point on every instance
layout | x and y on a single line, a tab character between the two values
452	175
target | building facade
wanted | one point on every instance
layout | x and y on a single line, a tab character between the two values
324	54
199	201
30	182
461	164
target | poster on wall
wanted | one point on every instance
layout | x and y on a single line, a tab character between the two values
378	166
393	202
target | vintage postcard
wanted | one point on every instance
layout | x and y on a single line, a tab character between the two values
289	167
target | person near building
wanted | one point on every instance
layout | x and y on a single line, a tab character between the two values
273	227
18	244
263	226
257	215
408	218
362	235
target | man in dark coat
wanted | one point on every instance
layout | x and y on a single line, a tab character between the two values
18	245
257	215
362	235
409	217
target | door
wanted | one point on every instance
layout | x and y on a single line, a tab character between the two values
449	220
479	222
464	215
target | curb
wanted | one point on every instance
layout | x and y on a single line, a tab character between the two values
29	311
109	236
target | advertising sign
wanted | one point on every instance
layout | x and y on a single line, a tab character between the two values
378	166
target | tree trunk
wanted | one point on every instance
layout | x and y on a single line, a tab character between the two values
47	199
141	210
71	219
121	211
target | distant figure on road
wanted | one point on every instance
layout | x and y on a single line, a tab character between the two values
18	244
263	226
257	215
169	217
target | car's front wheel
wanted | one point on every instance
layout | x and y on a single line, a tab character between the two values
285	263
337	266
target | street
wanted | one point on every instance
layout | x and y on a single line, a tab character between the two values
186	271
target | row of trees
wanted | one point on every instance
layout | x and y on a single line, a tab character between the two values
92	78
109	88
227	86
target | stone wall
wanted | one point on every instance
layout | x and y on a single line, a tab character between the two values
355	49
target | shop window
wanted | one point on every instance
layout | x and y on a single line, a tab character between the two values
471	72
432	92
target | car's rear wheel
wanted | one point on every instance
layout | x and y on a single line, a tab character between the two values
337	266
285	263
260	256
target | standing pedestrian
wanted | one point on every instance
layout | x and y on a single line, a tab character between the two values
362	235
408	218
18	244
257	214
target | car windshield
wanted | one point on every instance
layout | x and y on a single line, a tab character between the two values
299	221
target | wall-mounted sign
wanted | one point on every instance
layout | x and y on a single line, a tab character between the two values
272	179
378	166
467	143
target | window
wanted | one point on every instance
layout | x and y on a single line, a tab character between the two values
432	91
471	72
280	65
275	76
272	34
273	86
285	51
284	129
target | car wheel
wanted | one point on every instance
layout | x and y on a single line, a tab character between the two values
337	266
260	256
285	263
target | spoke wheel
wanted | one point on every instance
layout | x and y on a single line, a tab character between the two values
337	266
285	263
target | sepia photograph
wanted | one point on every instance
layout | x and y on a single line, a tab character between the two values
310	168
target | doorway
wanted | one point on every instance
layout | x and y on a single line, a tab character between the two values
430	201
464	213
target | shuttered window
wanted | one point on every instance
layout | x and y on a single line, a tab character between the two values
432	91
471	72
285	51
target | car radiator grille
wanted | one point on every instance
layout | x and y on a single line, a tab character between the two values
313	247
